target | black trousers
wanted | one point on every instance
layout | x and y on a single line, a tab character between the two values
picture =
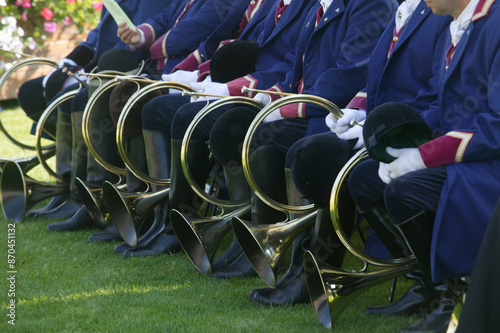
404	197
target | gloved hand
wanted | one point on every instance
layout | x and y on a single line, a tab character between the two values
407	160
185	77
212	88
355	132
273	116
342	125
263	98
383	173
62	63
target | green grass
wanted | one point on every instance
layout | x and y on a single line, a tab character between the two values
64	284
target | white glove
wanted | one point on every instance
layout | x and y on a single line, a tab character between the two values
212	88
383	173
341	125
61	64
185	77
273	116
407	160
263	98
72	79
355	132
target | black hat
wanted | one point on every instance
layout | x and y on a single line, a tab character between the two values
120	60
120	96
395	125
234	60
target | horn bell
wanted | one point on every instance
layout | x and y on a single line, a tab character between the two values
331	288
129	210
265	244
19	193
93	199
200	237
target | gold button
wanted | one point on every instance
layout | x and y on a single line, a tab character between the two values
326	19
252	2
400	15
279	15
395	38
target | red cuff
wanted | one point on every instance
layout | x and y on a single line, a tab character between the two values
235	86
295	110
149	34
446	149
189	64
358	102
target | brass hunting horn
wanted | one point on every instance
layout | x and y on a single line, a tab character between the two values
128	210
264	245
8	73
331	288
200	237
19	193
91	122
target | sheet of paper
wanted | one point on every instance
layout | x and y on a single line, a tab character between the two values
118	15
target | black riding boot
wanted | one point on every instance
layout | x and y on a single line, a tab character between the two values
267	165
324	245
238	189
293	198
55	208
420	295
105	146
160	238
418	234
137	155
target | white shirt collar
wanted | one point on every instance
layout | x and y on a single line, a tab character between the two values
404	12
325	4
458	26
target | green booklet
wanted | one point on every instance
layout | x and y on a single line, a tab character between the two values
118	15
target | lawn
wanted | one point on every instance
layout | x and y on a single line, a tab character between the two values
64	284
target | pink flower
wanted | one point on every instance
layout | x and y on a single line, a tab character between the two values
50	27
47	14
66	21
70	1
97	5
24	16
23	3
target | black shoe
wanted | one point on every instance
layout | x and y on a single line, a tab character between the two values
79	221
239	267
67	209
110	234
53	203
161	244
418	300
294	291
436	322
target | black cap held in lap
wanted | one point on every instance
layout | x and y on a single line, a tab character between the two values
119	60
395	125
234	60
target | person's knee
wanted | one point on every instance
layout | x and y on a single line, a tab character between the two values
228	133
154	117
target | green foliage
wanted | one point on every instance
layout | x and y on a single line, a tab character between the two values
27	23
